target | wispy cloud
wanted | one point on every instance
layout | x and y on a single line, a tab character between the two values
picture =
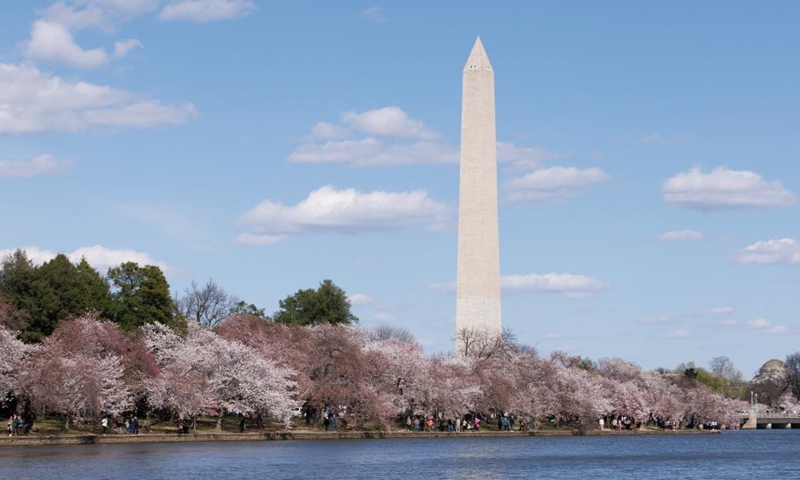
558	284
658	319
711	312
256	240
360	299
40	165
784	250
389	136
551	184
52	42
723	188
373	14
205	11
678	334
766	327
680	235
328	210
32	101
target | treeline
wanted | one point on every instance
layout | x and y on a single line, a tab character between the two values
36	299
80	344
89	367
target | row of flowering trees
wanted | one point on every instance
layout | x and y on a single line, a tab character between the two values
88	368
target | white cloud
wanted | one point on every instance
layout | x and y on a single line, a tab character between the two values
679	334
76	18
124	47
98	256
328	131
562	284
40	165
35	254
559	284
389	136
723	188
525	158
552	336
776	330
371	151
360	299
680	235
52	42
767	327
103	258
389	121
373	14
345	211
33	101
784	250
658	319
551	184
127	8
254	240
203	11
759	323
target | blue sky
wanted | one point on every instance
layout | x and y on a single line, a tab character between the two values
648	175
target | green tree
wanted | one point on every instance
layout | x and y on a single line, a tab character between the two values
326	304
140	295
61	292
51	293
96	288
17	281
243	308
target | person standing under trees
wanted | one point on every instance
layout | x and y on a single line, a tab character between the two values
104	424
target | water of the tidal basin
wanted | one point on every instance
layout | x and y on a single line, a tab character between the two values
731	455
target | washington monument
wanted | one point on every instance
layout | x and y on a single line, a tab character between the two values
478	281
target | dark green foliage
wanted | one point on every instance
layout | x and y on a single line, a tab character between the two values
326	304
243	308
54	292
17	278
140	296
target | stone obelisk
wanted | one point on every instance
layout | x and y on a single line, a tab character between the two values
478	281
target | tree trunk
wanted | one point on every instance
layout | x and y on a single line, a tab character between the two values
219	422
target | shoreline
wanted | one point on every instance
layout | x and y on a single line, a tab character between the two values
289	435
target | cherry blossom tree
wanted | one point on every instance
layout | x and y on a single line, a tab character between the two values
78	371
12	352
202	370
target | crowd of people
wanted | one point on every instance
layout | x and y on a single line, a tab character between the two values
123	425
465	423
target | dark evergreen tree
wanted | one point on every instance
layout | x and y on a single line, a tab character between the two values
326	304
140	295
